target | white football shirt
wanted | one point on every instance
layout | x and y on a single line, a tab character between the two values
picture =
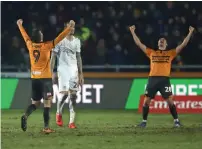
66	52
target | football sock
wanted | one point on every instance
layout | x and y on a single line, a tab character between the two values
55	92
58	106
173	111
145	113
31	108
46	116
72	113
61	102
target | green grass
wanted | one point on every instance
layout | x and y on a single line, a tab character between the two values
107	129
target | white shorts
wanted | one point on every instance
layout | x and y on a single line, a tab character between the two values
68	79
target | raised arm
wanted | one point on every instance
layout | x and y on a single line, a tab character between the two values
186	40
23	32
136	39
65	32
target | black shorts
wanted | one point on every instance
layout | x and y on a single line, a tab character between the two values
41	88
161	84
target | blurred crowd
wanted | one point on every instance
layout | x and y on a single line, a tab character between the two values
103	29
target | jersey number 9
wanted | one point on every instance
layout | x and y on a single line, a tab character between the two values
36	54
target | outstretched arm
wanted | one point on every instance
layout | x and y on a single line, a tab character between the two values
22	31
65	32
137	40
186	40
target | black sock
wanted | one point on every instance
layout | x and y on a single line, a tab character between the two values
46	116
30	109
145	112
73	98
173	111
64	97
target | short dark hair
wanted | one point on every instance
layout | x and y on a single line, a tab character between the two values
162	36
36	37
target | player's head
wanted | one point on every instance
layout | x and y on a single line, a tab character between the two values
37	35
162	44
73	29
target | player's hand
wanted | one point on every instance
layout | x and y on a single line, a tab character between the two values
71	23
19	22
191	29
132	28
81	80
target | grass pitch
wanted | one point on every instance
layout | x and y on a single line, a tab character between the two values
106	129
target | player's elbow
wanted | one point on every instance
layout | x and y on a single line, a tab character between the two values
78	55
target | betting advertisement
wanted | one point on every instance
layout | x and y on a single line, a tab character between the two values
100	93
180	87
94	94
184	104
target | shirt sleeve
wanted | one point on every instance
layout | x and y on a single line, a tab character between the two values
78	46
24	35
148	52
56	49
61	36
173	53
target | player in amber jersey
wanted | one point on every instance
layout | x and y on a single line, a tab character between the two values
41	75
160	67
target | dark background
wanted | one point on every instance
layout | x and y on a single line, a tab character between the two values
109	41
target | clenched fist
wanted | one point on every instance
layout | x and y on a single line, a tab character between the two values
191	29
132	28
72	23
19	22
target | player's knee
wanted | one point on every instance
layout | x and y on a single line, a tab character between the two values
36	103
47	102
147	101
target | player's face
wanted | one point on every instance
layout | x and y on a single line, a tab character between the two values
72	32
162	44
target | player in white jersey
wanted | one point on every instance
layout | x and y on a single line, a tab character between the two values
69	73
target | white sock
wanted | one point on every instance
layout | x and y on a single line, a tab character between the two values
176	120
72	113
56	96
144	120
60	103
55	92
